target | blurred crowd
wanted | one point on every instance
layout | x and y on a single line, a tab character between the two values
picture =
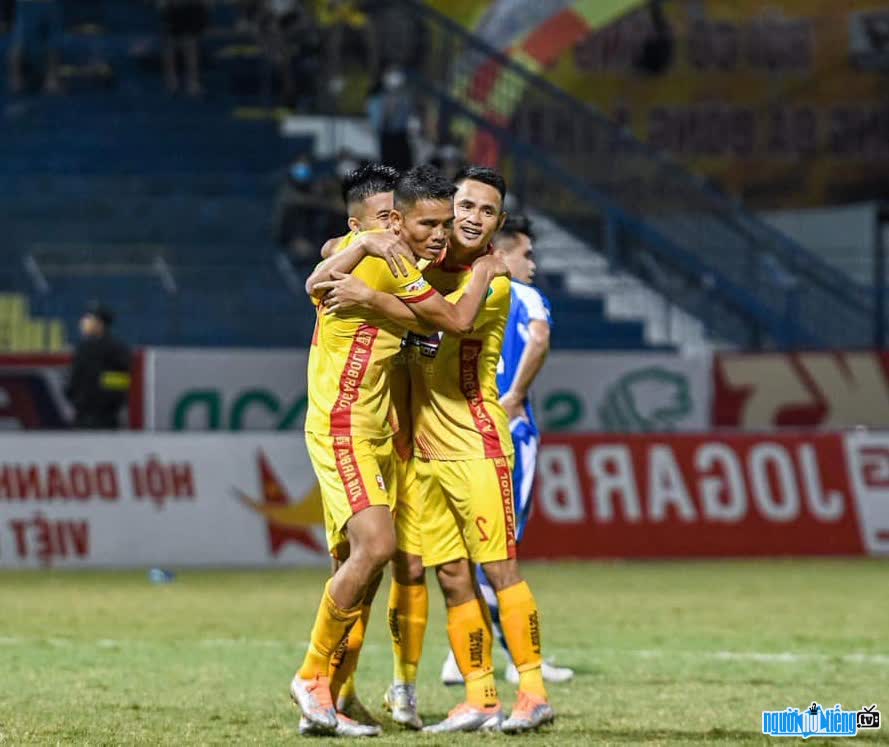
310	207
310	51
304	42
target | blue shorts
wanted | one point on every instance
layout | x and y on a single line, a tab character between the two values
526	441
37	22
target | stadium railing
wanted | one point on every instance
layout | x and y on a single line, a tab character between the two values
772	290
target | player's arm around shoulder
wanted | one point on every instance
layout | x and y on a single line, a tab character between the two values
351	250
373	287
460	313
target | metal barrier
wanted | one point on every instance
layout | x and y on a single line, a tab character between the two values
578	165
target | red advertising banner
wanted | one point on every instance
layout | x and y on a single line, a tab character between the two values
646	496
32	391
828	390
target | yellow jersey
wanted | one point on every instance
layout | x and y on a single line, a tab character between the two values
400	414
455	401
350	358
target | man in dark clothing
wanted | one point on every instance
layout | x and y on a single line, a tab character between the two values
99	382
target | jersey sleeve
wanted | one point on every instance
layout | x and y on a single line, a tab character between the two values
411	289
497	301
536	306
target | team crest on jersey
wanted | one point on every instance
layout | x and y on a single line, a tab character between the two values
428	346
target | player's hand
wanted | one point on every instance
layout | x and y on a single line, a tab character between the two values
491	264
514	406
393	249
344	292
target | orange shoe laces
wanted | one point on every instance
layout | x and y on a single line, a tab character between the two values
320	690
527	703
463	707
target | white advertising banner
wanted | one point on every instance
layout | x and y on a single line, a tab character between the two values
158	500
225	390
623	392
233	390
245	500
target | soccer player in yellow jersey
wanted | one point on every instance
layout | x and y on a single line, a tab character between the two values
464	463
348	432
367	193
368	197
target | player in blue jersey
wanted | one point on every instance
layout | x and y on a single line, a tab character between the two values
525	347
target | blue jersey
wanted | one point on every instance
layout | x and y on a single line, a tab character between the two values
528	304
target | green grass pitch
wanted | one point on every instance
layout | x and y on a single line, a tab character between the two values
666	653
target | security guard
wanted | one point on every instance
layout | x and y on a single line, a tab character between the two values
99	383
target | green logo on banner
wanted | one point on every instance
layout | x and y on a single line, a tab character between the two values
649	399
204	409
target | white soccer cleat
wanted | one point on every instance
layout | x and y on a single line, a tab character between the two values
551	673
401	701
314	699
530	712
345	727
450	672
469	718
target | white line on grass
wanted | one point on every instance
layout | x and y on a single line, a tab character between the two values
764	657
774	657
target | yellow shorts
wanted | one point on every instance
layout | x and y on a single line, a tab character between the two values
353	474
468	510
408	508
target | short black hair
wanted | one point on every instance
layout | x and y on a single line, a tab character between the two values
367	181
485	175
422	183
101	312
516	224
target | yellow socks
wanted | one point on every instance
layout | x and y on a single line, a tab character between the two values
332	624
408	615
520	622
344	661
472	643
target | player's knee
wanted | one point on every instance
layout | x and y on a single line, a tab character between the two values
372	538
502	574
455	580
378	551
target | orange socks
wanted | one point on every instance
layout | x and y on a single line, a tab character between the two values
472	643
520	622
332	624
344	661
408	615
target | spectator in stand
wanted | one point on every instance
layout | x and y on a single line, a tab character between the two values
36	22
397	36
184	23
344	22
391	111
448	158
284	27
306	213
99	382
7	14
